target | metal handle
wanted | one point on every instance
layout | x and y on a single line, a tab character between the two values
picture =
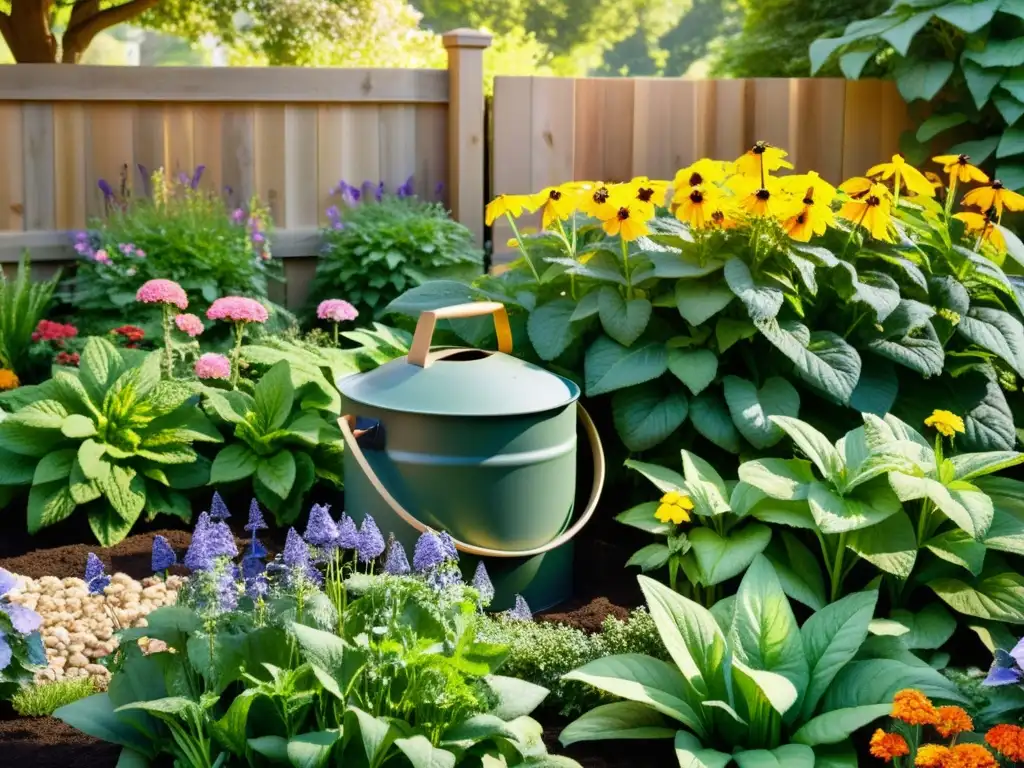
471	549
420	348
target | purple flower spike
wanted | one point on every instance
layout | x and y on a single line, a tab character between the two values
320	530
520	611
24	620
252	567
218	509
163	556
104	186
221	541
397	562
194	182
429	552
439	190
333	214
296	553
227	593
379	192
482	584
1000	676
237	216
256	521
448	543
95	577
255	549
371	542
183	179
197	557
348	536
406	189
257	587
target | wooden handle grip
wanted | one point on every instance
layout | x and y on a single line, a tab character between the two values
424	335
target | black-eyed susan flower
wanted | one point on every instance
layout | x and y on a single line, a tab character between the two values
995	195
648	192
762	159
556	203
811	212
959	168
857	187
697	205
724	215
702	172
871	209
512	205
903	175
984	226
761	199
946	423
675	508
628	220
594	200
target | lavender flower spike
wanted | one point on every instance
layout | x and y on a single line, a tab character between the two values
520	611
194	182
163	556
104	186
482	584
296	553
198	557
429	552
218	509
371	543
321	531
256	521
348	535
448	543
95	577
397	562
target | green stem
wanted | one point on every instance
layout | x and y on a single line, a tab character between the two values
952	193
837	570
922	522
896	190
168	344
335	334
521	246
236	353
625	266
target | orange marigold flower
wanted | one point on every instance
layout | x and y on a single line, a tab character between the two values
969	756
931	756
886	746
952	720
913	708
1007	740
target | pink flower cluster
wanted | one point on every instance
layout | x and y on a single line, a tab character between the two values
238	309
189	323
213	366
162	292
102	257
337	310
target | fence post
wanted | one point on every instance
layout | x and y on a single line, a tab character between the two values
466	127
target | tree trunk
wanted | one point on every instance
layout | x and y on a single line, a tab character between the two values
27	32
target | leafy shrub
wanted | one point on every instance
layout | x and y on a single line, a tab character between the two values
23	303
43	699
746	677
177	233
110	437
375	250
957	61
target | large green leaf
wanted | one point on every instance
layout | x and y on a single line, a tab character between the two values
49	504
764	633
752	408
879	293
100	366
760	690
868	505
969	17
786	756
921	352
276	472
619	720
647	414
730	331
784	479
550	328
922	79
54	466
721	558
126	492
798	570
233	462
95	716
692	754
890	545
422	754
664	479
705	485
996	331
814	445
642	517
623	320
609	366
650	558
838	725
515	697
696	368
831	638
710	417
874	681
825	361
999	597
274	397
928	629
700	300
326	652
969	466
762	302
313	750
957	547
963	503
230	730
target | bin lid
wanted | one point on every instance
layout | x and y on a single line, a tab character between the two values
461	382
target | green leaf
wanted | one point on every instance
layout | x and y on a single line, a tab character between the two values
786	756
710	417
763	302
692	754
77	426
276	472
230	730
784	479
868	505
852	63
969	466
813	445
101	365
798	570
274	748
516	698
54	466
49	504
696	368
550	328
826	362
1009	107
874	681
700	300
705	486
761	690
959	548
107	526
936	124
645	680
921	352
980	82
664	480
999	597
721	558
422	754
729	331
647	414
838	725
587	307
431	295
325	651
95	716
619	720
901	35
312	750
968	17
963	503
890	545
274	397
929	629
234	462
125	491
822	48
841	755
764	633
996	331
623	320
609	366
650	558
16	468
752	408
922	79
229	406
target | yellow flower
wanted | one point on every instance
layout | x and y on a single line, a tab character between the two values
995	196
952	720
810	220
757	200
510	204
887	746
813	214
984	227
628	221
698	206
969	756
762	159
913	707
8	379
724	216
811	186
945	422
556	203
674	508
872	210
931	756
648	192
857	187
704	171
959	168
594	200
904	172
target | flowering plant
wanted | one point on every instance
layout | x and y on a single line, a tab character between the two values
21	646
693	300
23	302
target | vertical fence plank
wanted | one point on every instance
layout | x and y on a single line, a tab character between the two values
722	110
269	159
207	146
304	176
770	114
397	145
511	150
431	151
652	128
683	123
110	138
150	145
330	157
179	139
238	173
38	167
69	154
588	160
12	198
552	129
360	145
618	133
818	127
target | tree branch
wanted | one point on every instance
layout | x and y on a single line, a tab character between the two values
6	30
81	31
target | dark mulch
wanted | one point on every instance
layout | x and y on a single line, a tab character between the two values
43	742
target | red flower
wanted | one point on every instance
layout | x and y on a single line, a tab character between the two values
48	330
131	333
65	358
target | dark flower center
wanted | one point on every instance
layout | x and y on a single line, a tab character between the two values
873	200
555	194
696	196
644	194
760	147
802	218
696	179
623	214
718	216
763	194
808	200
963	159
601	195
997	184
991	216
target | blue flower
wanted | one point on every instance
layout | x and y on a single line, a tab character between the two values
194	181
104	186
296	553
321	530
24	620
520	611
255	549
397	562
95	577
444	577
429	552
5	652
199	556
218	509
448	544
256	521
348	535
406	189
227	593
252	567
163	556
9	581
221	541
257	587
482	584
1006	668
371	542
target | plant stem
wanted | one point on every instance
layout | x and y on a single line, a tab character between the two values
952	193
922	522
837	571
236	353
168	342
522	247
896	190
625	266
335	334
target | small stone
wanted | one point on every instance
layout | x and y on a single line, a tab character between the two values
77	660
58	662
50	641
154	593
97	670
48	675
76	648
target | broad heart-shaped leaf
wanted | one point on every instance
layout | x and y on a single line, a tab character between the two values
921	78
963	503
969	466
751	408
274	397
874	681
836	726
957	547
608	366
763	302
515	697
550	328
664	480
814	446
312	750
826	362
729	331
921	352
619	720
784	479
798	570
999	597
970	17
645	680
929	629
995	331
431	295
691	636
95	716
54	466
831	638
233	462
890	545
764	633
868	505
100	366
49	504
786	756
696	368
645	415
623	320
422	754
700	300
691	753
277	472
650	558
325	651
721	558
881	299
126	492
710	417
